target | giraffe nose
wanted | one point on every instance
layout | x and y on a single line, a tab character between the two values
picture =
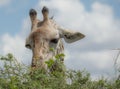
45	9
32	12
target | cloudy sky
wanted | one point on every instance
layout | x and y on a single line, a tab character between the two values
99	20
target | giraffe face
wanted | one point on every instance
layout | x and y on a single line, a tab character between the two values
43	40
46	35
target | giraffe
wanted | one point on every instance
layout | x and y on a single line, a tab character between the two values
46	34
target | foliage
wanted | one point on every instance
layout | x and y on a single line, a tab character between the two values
14	75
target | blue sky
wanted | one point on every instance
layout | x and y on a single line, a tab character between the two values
13	13
115	4
99	20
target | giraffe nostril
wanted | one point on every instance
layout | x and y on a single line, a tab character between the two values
32	12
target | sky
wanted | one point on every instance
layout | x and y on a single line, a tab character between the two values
99	20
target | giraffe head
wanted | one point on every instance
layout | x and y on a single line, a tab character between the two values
46	34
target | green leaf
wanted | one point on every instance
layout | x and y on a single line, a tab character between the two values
51	49
49	62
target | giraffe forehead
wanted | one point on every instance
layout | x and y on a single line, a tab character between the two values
48	33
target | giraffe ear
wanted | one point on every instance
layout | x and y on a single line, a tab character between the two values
70	36
28	43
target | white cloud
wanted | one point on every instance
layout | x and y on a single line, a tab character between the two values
16	46
99	25
4	2
100	60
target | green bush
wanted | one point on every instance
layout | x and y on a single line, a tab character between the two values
14	75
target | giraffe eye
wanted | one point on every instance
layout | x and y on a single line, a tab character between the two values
54	41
